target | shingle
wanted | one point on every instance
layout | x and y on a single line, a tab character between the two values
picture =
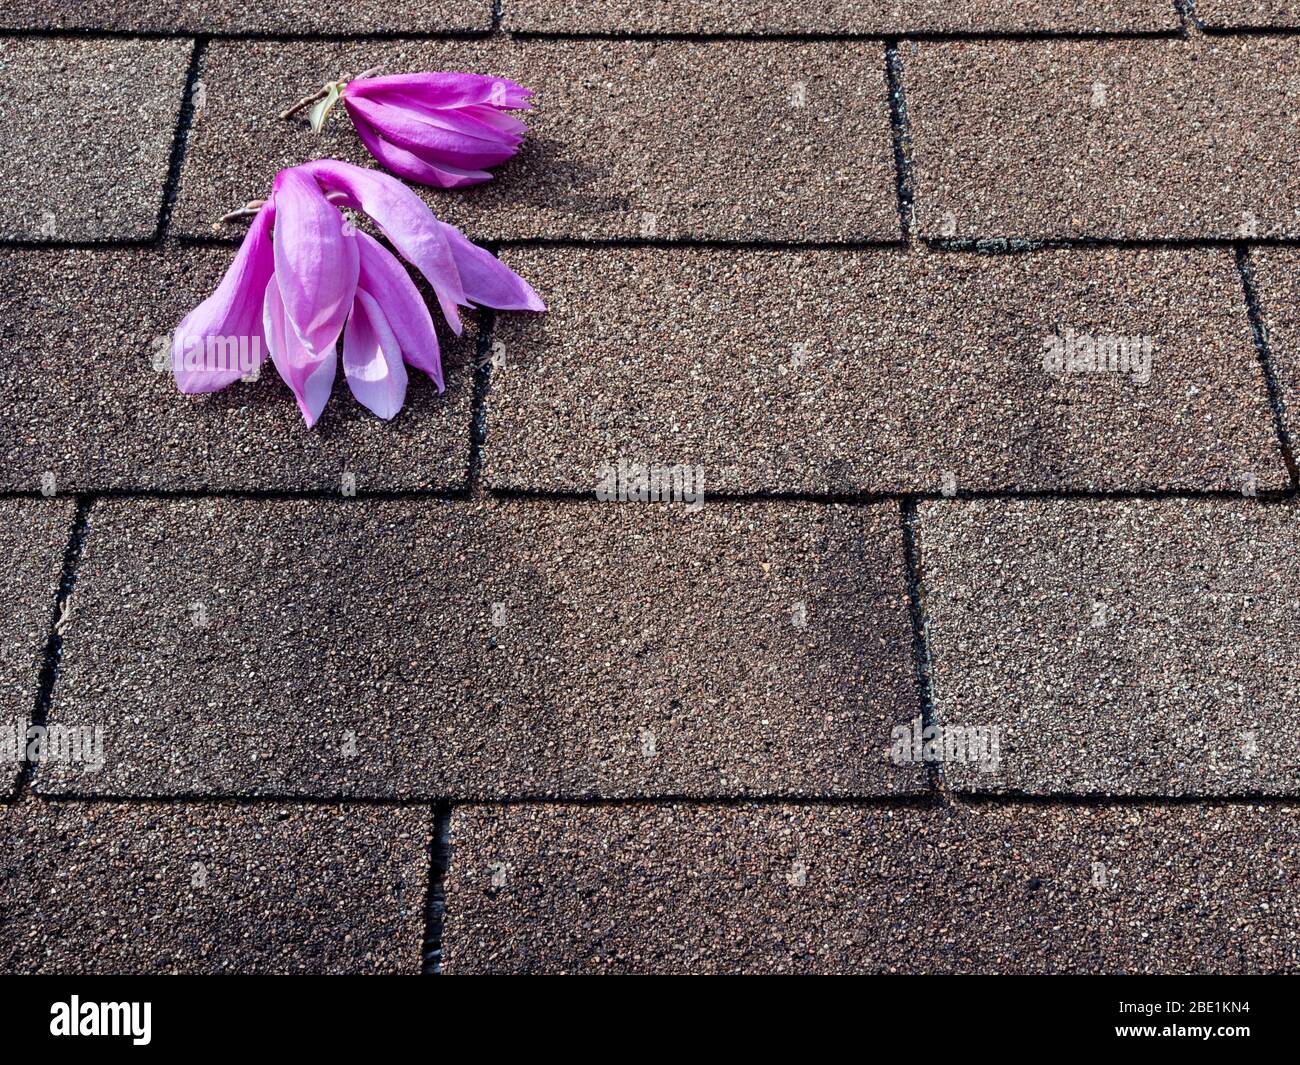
229	16
1277	276
807	371
83	401
1147	139
731	140
101	888
987	888
422	648
1224	14
33	536
1120	647
839	16
90	125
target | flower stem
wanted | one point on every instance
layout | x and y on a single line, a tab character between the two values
323	91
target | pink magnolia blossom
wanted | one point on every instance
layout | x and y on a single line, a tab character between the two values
440	129
305	276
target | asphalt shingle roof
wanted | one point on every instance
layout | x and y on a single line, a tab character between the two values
978	321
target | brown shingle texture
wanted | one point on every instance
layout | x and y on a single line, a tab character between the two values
1226	14
878	371
821	889
1120	647
420	648
33	535
1111	139
1277	277
102	888
731	140
89	125
838	16
234	16
82	398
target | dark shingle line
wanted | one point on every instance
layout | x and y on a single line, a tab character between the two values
436	904
896	34
916	611
962	246
539	495
1260	332
927	800
901	129
180	138
53	653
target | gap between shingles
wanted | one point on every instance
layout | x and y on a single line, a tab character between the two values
921	660
52	655
181	137
901	131
1265	497
1263	350
435	908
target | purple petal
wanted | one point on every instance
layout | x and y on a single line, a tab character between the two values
435	91
488	281
410	166
405	220
465	143
386	280
372	359
315	260
310	375
231	318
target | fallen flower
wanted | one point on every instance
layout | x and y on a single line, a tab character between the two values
440	129
305	275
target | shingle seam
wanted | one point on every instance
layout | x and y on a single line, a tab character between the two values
962	246
918	801
452	495
52	654
1259	330
180	138
864	498
901	131
436	903
1187	16
920	638
896	34
249	35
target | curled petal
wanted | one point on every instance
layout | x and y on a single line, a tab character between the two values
315	260
386	280
410	166
440	90
372	359
309	374
462	141
487	281
230	320
405	220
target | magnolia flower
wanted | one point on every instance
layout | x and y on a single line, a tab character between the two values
433	129
305	275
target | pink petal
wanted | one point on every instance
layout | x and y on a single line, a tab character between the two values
372	359
315	260
443	89
405	220
230	317
412	167
308	374
386	280
437	140
488	281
